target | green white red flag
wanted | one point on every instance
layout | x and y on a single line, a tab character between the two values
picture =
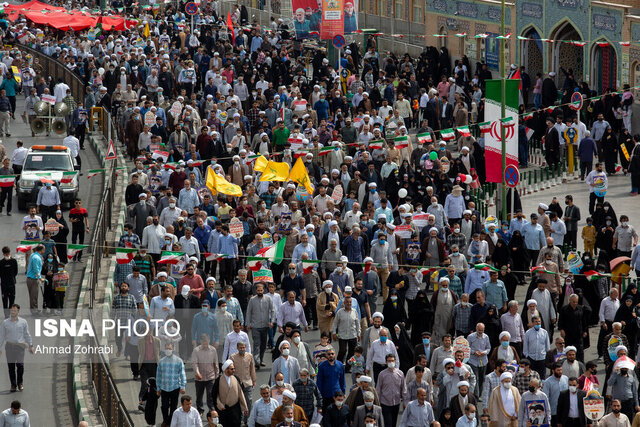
72	250
125	255
171	257
447	134
376	145
7	181
484	127
401	142
67	177
424	138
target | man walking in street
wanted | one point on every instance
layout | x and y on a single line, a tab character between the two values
14	334
34	277
261	315
171	381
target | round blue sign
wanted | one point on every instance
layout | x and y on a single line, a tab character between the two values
191	8
339	41
511	176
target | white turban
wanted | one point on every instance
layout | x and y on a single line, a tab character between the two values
378	314
433	229
327	283
364	379
461	383
570	348
282	343
291	395
506	376
447	361
621	347
505	334
226	364
532	301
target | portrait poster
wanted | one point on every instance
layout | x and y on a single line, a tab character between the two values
325	18
536	413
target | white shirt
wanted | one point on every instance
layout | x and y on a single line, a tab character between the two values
573	405
608	309
508	401
72	143
60	91
378	353
17	158
186	419
558	230
231	343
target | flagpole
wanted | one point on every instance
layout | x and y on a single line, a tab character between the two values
503	190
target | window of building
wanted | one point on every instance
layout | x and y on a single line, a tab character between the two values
417	12
399	12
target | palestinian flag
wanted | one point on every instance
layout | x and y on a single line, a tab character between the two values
7	180
376	144
401	142
484	127
171	257
94	172
72	250
424	137
67	177
485	267
447	134
527	116
326	150
508	122
255	263
309	264
426	271
26	246
529	132
464	130
274	253
593	275
125	255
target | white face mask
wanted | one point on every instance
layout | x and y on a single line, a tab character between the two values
391	365
328	291
289	420
369	425
573	388
214	420
172	205
279	383
168	352
506	385
223	309
285	352
368	405
296	340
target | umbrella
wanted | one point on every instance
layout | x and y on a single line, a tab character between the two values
619	266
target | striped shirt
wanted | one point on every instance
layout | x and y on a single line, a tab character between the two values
170	374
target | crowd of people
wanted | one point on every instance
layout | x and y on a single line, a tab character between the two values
388	258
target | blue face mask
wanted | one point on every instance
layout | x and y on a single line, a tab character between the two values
505	344
310	233
373	190
205	309
537	327
382	241
383	340
425	341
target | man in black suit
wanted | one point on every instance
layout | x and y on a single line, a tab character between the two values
570	411
446	114
421	349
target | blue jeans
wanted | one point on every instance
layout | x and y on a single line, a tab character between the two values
537	100
272	334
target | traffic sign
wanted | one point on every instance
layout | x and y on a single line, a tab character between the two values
339	41
511	176
576	101
111	152
191	8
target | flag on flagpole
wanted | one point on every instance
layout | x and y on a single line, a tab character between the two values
94	172
447	134
401	142
376	144
309	264
275	171
299	175
255	263
424	138
261	163
230	27
125	255
484	127
72	250
147	32
7	180
464	130
275	252
218	184
168	257
67	177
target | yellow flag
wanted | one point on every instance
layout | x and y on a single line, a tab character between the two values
261	163
146	32
217	184
275	171
299	174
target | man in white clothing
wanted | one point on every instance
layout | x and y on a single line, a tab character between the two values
185	415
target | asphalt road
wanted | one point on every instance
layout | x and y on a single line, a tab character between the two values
47	389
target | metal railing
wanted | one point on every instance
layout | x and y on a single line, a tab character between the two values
113	410
55	69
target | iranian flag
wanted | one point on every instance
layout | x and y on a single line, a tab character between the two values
447	134
326	150
508	122
367	266
376	145
213	257
301	153
125	255
481	36
274	253
485	267
493	138
72	250
527	116
401	142
540	269
255	263
577	43
424	137
67	177
426	271
94	172
484	127
464	130
26	246
593	275
309	264
197	163
529	132
253	156
171	257
7	180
